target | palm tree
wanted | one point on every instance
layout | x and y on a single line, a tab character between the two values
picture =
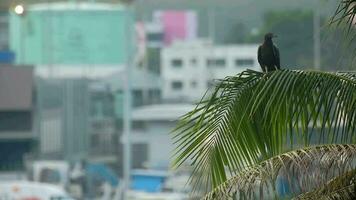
237	137
251	119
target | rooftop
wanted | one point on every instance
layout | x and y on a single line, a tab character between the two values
161	112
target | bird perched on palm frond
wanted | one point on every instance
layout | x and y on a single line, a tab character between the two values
268	54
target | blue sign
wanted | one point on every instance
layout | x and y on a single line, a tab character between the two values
7	57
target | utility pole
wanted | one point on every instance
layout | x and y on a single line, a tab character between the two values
316	35
127	104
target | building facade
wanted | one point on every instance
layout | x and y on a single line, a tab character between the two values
6	56
63	118
72	33
151	139
190	68
73	45
17	110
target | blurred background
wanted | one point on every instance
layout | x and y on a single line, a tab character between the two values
90	90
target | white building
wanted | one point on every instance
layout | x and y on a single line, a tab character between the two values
151	136
189	68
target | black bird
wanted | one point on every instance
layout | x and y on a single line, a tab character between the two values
268	54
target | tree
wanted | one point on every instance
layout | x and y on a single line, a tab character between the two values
253	117
248	123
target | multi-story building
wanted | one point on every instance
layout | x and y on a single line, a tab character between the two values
98	109
189	68
63	118
145	90
152	145
71	45
17	111
6	56
72	33
103	124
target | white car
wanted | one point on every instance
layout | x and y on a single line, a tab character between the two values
25	190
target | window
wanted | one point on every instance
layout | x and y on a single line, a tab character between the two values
10	121
220	62
193	84
177	85
155	37
137	98
193	61
140	151
177	63
244	62
138	125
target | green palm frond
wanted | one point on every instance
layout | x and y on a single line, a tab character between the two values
342	188
304	169
345	13
252	116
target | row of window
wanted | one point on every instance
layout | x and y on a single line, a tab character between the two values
178	85
218	62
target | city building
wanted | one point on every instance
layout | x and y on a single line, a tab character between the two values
145	90
73	45
98	117
151	139
154	34
190	68
6	56
4	30
63	118
72	33
166	27
103	124
76	114
177	24
17	117
145	86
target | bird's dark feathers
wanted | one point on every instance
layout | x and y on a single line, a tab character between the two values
268	55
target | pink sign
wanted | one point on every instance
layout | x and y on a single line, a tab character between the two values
181	25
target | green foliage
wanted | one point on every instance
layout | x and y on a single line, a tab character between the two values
244	127
345	13
318	162
344	18
252	117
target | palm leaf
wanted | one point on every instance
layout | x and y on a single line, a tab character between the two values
342	187
304	169
345	14
252	116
